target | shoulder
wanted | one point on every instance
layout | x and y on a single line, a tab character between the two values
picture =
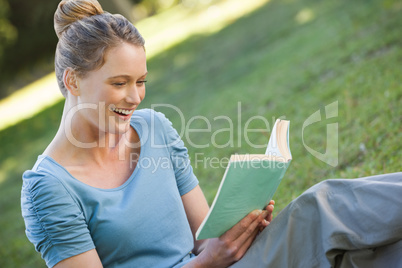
55	223
149	116
43	174
42	187
151	122
39	189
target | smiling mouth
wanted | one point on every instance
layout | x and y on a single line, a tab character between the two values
120	111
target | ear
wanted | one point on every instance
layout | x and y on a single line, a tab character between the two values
70	81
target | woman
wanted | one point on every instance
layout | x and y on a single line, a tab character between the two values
88	202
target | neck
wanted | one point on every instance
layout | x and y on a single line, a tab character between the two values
79	140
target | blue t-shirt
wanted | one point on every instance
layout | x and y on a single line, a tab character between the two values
141	223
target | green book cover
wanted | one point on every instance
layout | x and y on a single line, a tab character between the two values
249	183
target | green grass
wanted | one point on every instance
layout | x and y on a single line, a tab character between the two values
275	66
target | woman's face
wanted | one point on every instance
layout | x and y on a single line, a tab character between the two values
116	89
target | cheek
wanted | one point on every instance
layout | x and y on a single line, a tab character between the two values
107	96
94	93
142	93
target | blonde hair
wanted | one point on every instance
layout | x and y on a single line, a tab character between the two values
85	33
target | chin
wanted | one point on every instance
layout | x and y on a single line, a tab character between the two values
118	127
121	129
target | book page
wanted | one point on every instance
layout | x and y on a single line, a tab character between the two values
273	148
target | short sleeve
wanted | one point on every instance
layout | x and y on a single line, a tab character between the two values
185	178
54	222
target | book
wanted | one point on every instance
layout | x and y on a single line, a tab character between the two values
249	183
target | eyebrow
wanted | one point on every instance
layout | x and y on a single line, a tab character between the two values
124	76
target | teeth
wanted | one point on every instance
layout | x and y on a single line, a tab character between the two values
121	111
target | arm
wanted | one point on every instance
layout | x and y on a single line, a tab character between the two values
89	259
196	208
55	224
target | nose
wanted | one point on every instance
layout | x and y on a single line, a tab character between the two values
133	95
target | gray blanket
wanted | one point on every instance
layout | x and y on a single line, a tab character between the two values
336	223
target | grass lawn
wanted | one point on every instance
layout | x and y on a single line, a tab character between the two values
288	59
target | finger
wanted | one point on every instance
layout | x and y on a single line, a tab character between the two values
252	228
266	221
270	209
264	224
246	245
270	206
242	226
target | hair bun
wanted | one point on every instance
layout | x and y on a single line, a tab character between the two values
69	11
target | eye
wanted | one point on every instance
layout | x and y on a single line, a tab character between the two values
119	84
141	82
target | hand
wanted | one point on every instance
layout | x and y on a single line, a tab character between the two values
233	244
270	208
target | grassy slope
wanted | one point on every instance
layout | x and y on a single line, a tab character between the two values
349	52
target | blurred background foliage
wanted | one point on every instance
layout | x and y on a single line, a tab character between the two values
287	58
27	38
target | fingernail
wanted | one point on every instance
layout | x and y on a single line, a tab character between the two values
257	212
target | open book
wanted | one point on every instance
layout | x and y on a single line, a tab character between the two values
249	183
